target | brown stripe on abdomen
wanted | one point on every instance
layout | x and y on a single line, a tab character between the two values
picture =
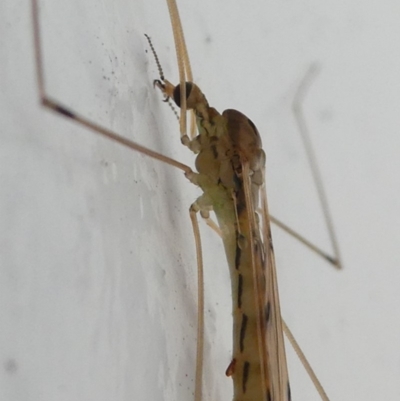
246	370
240	290
243	332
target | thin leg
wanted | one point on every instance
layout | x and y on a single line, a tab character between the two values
200	304
304	362
298	112
57	107
330	259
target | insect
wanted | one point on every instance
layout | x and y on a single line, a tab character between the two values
231	176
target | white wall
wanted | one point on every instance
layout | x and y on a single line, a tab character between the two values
97	258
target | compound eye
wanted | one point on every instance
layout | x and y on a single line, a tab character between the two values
177	92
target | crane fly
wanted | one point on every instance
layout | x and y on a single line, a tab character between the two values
230	165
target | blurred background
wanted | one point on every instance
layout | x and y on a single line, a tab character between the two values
97	261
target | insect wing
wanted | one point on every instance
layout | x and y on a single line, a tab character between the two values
272	348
